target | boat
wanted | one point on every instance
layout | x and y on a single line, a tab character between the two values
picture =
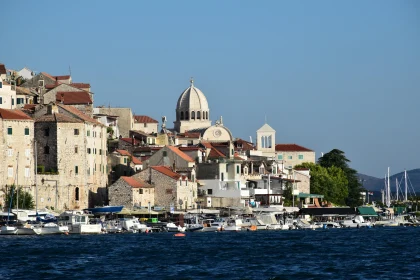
133	225
78	222
355	222
171	227
50	228
112	226
233	225
104	209
213	225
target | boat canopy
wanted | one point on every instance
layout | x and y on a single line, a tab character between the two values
366	211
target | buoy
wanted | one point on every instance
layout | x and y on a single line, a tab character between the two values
179	234
66	233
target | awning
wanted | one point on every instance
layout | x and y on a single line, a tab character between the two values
310	195
367	212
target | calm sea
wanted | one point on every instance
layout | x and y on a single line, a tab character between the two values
376	253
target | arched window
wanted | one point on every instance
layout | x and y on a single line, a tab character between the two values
269	141
207	115
182	115
198	115
187	117
262	142
193	115
76	193
46	150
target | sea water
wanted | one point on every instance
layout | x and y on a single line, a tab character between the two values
375	253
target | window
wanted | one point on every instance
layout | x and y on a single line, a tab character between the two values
182	115
145	125
100	151
27	172
165	153
290	157
210	191
9	130
140	191
88	150
1	84
237	169
280	157
46	150
76	149
245	170
10	152
26	130
20	101
27	152
76	193
13	101
10	171
300	156
168	191
125	160
47	132
222	177
193	178
262	170
76	170
88	133
1	99
76	131
88	171
231	152
198	115
193	115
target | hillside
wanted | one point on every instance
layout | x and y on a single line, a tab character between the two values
377	184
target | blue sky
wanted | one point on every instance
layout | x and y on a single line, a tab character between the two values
325	74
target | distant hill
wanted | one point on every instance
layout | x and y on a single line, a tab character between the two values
377	184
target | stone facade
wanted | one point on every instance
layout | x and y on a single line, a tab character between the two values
75	162
178	192
16	155
125	118
122	193
170	156
291	158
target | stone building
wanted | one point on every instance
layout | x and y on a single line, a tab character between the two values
145	124
170	156
7	94
16	151
290	155
125	118
72	162
171	188
123	164
131	192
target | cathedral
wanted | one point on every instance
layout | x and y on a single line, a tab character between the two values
193	116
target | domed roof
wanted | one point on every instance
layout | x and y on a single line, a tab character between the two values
192	99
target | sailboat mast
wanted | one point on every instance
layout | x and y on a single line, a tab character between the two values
396	188
36	186
405	182
388	193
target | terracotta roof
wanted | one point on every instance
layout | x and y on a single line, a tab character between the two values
206	144
73	110
167	171
144	119
180	153
29	106
65	77
59	118
80	85
73	97
136	161
51	86
123	153
189	135
191	148
215	153
13	114
2	69
48	75
291	148
134	182
243	145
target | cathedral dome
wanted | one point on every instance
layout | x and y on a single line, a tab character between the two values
192	99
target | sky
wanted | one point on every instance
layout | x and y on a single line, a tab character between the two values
324	74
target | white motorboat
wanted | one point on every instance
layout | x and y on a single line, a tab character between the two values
78	222
234	225
133	225
171	227
50	228
356	222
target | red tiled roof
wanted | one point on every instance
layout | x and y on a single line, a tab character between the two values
123	153
291	148
73	110
80	85
65	77
136	161
51	86
29	106
193	148
2	69
180	153
189	135
215	153
167	171
13	114
206	144
73	97
134	182
144	119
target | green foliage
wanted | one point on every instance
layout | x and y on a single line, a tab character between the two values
288	195
328	181
26	200
337	158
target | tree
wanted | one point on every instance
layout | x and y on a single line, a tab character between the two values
25	199
331	182
338	159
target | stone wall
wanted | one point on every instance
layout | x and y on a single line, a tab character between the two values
121	193
125	119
